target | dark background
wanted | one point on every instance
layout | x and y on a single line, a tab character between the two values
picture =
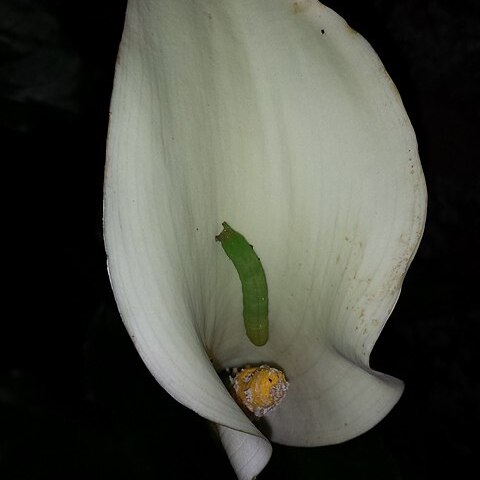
75	398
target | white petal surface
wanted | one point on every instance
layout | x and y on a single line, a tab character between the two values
278	118
248	454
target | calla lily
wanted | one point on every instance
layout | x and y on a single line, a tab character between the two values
276	117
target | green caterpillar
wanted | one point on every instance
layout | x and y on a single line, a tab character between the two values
254	283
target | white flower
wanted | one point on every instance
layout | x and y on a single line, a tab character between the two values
277	117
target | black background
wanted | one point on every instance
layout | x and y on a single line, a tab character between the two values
76	400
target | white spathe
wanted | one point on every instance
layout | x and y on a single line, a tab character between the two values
278	118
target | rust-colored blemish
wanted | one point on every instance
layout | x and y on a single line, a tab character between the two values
298	7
